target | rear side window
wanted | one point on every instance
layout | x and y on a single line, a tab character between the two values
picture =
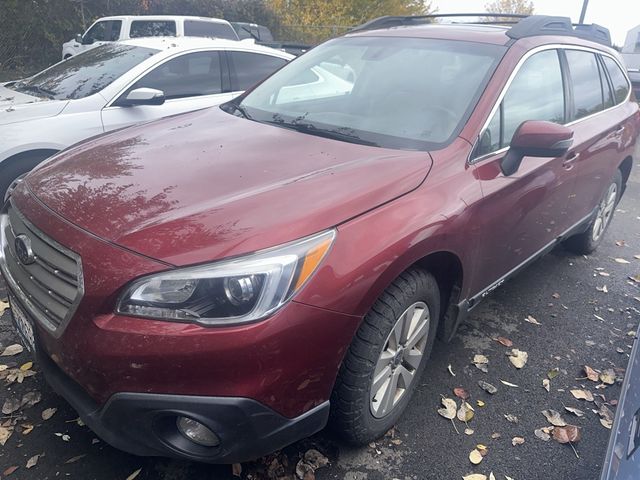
536	93
587	84
250	68
618	80
190	75
152	28
196	28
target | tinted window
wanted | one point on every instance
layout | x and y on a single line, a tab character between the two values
251	68
405	93
152	28
585	78
189	75
86	73
106	31
618	79
606	88
195	28
536	93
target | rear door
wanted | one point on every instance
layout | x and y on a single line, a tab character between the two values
526	211
601	132
190	81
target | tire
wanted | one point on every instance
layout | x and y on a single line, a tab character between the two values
588	241
16	168
360	411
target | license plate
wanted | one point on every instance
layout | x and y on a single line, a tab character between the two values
23	325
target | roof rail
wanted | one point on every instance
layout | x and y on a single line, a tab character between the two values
521	25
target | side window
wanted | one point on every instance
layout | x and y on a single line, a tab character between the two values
97	33
190	75
251	68
197	28
606	87
152	28
587	86
536	93
618	80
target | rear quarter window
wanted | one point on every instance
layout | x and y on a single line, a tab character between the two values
152	28
196	28
618	80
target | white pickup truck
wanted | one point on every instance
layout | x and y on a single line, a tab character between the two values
125	27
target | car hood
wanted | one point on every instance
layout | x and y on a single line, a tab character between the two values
18	106
208	185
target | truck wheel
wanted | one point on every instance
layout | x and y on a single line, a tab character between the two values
586	243
386	358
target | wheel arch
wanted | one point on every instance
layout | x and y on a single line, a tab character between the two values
42	153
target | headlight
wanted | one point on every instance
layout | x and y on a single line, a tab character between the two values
234	291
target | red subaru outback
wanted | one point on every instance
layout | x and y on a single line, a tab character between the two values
219	284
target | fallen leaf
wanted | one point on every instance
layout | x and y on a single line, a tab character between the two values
554	418
468	431
451	370
475	476
518	358
608	377
48	413
492	476
30	399
236	470
622	261
461	393
556	295
542	434
481	362
553	373
3	306
26	366
517	441
546	383
75	459
65	437
480	403
532	320
465	413
475	456
511	418
637	257
33	461
567	434
5	433
134	474
504	341
575	411
487	387
606	416
495	435
10	470
10	405
450	408
582	395
619	350
11	350
603	289
591	373
509	384
312	460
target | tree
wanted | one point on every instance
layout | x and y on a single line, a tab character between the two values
521	7
316	21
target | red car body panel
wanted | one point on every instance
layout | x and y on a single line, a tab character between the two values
238	194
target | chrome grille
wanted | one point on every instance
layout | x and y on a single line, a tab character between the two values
51	287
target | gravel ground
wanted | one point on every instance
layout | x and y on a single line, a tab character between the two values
579	325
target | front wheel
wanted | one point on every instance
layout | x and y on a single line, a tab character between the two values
587	242
386	358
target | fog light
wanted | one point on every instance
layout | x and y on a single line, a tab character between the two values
197	432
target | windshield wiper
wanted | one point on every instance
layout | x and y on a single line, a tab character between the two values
35	89
325	133
233	106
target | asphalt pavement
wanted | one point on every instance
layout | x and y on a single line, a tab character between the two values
578	324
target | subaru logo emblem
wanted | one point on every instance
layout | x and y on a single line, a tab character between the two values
23	250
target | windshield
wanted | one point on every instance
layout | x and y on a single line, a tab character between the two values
403	93
84	74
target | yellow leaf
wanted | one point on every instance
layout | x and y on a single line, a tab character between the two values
480	403
26	366
475	456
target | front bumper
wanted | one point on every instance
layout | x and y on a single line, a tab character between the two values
144	423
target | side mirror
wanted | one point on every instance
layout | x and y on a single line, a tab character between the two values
143	96
535	138
79	38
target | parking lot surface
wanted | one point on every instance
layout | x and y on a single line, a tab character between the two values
578	324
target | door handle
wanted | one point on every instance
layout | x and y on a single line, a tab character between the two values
570	159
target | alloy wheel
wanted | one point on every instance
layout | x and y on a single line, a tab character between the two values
605	212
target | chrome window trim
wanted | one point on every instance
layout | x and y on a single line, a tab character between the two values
14	288
525	57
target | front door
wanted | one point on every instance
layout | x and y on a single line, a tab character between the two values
190	82
525	211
